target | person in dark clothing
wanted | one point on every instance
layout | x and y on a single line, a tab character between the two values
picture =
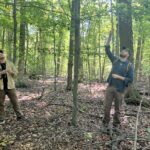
120	77
122	70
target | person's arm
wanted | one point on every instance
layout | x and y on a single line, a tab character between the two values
13	71
109	53
116	76
107	49
128	79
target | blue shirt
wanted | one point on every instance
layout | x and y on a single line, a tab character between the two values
122	68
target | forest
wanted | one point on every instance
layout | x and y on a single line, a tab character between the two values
58	48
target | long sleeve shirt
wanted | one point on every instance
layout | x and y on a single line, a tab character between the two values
122	68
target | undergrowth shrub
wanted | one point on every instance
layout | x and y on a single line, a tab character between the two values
22	84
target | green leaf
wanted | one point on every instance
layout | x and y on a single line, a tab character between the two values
88	136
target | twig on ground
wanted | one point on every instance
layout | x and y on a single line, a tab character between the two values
136	124
69	106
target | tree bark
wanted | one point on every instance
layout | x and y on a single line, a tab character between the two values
15	31
55	61
27	49
103	69
21	62
125	26
117	32
9	45
81	73
71	49
42	51
112	27
76	61
36	47
99	46
138	55
59	52
3	38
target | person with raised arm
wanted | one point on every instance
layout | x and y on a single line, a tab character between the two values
120	77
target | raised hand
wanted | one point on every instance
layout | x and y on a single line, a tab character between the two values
109	39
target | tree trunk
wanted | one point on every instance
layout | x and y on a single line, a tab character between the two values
42	51
95	51
126	39
149	85
71	49
88	64
27	49
55	61
138	55
125	26
21	62
99	46
9	37
141	58
112	26
103	69
3	38
36	47
81	73
117	33
76	61
59	52
88	51
15	31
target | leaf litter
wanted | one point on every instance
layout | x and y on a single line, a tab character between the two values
48	125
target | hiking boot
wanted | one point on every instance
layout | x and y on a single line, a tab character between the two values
2	122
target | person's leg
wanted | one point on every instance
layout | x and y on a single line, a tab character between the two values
107	105
2	109
118	103
14	100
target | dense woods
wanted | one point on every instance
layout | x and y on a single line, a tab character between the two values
33	30
64	41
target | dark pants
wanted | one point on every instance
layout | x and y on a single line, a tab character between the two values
112	95
11	93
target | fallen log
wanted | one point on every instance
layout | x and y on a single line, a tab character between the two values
133	97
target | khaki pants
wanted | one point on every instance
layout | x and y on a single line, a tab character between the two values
11	93
112	95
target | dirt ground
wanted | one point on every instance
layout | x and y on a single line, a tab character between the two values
48	121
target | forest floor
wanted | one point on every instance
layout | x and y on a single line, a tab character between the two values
48	124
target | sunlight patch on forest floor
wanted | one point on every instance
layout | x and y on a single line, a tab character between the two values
49	121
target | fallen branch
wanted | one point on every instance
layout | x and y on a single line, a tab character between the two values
69	106
136	125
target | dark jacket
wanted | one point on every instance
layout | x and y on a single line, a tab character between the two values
124	69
